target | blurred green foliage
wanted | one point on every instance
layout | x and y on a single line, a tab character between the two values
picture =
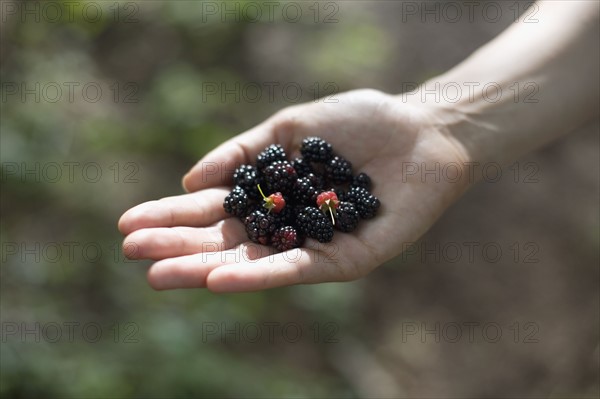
155	86
152	121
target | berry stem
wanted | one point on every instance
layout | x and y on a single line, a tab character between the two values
261	191
267	204
328	202
274	202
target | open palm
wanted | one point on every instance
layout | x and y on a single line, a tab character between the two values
196	244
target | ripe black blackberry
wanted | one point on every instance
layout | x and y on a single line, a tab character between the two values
246	176
260	227
236	202
315	224
315	149
338	170
302	166
341	194
287	216
362	180
280	176
346	217
286	238
317	181
271	154
305	192
366	204
253	206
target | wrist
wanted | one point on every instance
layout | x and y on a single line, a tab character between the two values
464	121
477	116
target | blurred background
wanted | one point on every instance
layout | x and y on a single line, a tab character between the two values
106	104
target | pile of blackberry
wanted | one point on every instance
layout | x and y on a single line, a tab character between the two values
281	201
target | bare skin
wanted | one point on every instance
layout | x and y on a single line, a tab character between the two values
176	230
197	245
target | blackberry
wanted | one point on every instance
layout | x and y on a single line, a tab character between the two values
287	217
314	223
253	207
315	149
271	154
236	202
286	238
280	176
246	176
347	217
305	192
309	196
316	180
260	227
362	180
328	201
338	170
366	204
341	194
274	202
302	167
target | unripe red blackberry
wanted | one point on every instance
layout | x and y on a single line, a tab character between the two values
274	202
328	201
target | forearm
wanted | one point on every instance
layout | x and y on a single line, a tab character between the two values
533	83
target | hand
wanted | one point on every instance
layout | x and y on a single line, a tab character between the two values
198	245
